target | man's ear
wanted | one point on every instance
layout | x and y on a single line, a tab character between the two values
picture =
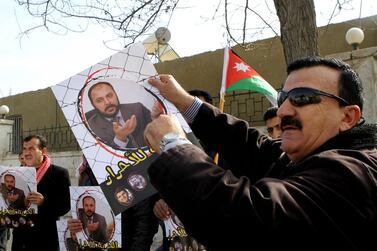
44	150
352	115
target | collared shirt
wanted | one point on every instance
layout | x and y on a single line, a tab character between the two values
189	116
117	118
193	110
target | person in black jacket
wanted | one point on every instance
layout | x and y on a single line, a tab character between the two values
160	208
52	197
315	189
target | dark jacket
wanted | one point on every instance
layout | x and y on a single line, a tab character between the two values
103	128
327	201
139	225
54	187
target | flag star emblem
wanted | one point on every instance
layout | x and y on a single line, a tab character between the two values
241	67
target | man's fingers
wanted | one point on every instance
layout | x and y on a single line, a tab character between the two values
74	225
158	213
146	140
155	82
131	124
157	109
115	126
161	211
149	139
159	82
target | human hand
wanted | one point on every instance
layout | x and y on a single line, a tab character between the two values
157	109
74	226
122	132
162	125
35	198
170	89
12	197
161	210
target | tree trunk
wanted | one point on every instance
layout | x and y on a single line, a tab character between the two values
297	28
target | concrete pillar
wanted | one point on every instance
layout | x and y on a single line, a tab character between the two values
5	136
364	62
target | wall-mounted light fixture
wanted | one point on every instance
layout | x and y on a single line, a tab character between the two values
354	37
4	110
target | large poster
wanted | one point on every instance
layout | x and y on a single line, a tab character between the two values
15	210
107	107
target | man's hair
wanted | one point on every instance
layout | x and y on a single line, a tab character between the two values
20	153
270	113
197	92
42	140
88	196
119	189
9	174
96	84
350	87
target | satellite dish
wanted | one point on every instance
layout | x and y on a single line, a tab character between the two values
157	45
162	35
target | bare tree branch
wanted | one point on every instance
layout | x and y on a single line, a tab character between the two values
264	21
227	24
245	21
132	19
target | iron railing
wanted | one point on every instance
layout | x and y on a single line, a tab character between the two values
249	106
59	138
15	139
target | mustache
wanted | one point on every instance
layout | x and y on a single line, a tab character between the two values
107	107
110	106
89	212
285	121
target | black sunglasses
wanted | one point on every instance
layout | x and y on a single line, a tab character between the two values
304	96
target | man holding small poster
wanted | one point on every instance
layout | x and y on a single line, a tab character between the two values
52	198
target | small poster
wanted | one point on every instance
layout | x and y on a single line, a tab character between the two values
177	237
16	184
100	227
63	235
107	107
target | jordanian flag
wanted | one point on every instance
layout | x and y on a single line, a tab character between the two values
237	75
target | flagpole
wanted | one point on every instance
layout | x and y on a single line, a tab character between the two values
222	90
221	107
222	102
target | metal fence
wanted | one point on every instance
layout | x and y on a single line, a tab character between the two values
248	106
15	139
59	138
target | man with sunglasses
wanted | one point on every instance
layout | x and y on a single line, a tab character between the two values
315	189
